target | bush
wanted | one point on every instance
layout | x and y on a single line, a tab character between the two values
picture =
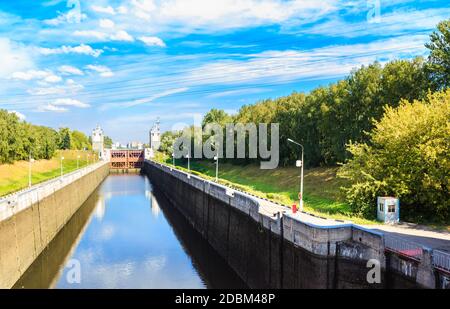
407	156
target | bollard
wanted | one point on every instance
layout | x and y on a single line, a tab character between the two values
294	209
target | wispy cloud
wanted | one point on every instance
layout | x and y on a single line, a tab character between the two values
152	41
62	105
144	100
80	49
103	70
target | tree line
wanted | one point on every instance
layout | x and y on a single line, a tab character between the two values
19	139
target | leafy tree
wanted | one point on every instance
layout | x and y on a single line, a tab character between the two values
65	139
167	141
439	58
19	139
108	142
79	141
407	156
216	116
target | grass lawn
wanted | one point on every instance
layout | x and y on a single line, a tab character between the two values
322	188
14	177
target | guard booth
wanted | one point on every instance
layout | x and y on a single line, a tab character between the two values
388	209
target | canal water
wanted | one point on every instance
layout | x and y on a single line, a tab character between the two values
127	236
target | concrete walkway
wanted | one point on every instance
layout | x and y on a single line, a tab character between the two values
423	235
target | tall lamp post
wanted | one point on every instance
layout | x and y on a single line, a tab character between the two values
300	164
216	158
188	156
173	159
29	171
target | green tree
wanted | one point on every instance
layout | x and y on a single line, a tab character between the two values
108	142
79	141
439	58
407	156
65	139
167	141
216	116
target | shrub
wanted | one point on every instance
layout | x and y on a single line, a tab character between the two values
407	156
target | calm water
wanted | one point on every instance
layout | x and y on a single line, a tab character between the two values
126	236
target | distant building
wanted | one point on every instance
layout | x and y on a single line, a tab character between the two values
98	139
135	145
155	136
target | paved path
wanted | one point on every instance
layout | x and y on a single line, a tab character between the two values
425	236
421	235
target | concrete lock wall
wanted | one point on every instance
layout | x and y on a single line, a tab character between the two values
279	251
31	219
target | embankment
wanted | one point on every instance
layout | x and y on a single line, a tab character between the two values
270	248
30	220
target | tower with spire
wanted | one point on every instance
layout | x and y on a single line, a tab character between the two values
155	136
98	140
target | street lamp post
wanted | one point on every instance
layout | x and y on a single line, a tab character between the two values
62	170
173	158
188	156
29	171
300	164
217	165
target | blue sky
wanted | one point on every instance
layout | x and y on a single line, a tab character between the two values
122	63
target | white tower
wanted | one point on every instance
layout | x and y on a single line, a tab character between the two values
155	136
98	140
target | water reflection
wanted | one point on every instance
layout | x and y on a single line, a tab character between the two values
123	239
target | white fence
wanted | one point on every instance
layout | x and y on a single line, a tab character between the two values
14	203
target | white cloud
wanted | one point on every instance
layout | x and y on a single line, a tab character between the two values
71	87
80	49
70	102
43	76
53	79
103	9
106	23
103	70
62	105
30	75
69	70
18	114
122	35
228	14
152	41
52	108
13	57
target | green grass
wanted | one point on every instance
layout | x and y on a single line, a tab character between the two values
14	177
322	188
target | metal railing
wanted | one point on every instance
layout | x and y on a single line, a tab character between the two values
441	260
403	247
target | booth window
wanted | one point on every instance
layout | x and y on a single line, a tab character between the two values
391	208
